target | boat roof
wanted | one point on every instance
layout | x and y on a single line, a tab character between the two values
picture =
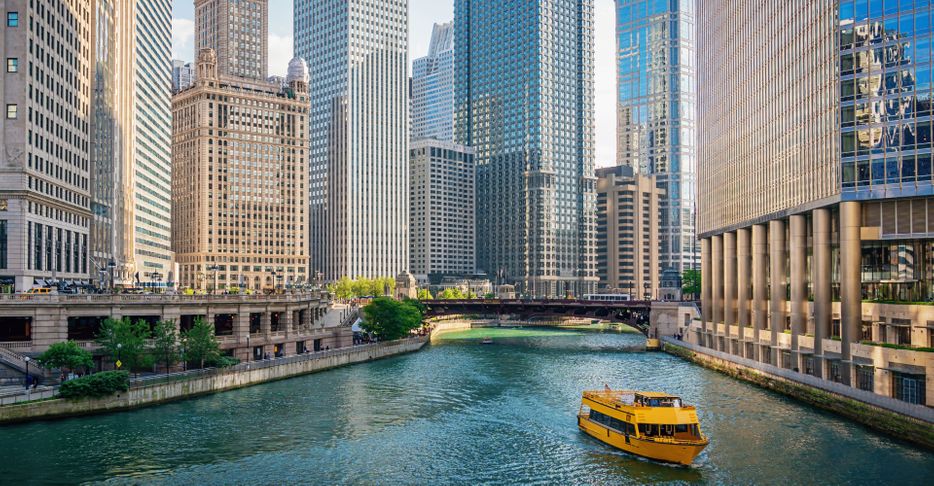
655	394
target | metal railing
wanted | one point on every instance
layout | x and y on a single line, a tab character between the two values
160	298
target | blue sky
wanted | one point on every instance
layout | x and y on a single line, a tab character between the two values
422	14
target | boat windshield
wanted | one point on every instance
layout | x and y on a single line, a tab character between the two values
658	401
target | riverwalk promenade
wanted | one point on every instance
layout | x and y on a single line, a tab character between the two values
175	386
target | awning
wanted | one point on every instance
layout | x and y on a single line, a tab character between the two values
905	369
805	351
832	356
861	361
896	324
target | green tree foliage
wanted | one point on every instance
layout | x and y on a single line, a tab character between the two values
452	293
489	295
362	287
126	341
66	355
165	343
96	385
390	319
200	343
691	282
424	294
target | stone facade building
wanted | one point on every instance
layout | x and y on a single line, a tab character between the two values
45	135
238	31
441	211
240	171
628	207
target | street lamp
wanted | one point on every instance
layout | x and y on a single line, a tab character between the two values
27	359
213	268
118	363
111	265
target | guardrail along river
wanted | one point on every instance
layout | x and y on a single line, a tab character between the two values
458	412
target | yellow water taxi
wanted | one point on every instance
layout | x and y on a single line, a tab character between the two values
649	424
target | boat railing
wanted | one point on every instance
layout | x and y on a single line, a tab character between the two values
670	440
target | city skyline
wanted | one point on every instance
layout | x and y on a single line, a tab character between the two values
423	14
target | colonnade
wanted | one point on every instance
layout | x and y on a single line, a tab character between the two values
756	278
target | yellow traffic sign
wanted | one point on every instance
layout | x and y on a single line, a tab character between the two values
119	363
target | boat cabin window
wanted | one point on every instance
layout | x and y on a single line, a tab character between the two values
613	423
658	401
677	431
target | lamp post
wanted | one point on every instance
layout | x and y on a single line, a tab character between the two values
112	265
27	359
273	281
118	363
249	349
213	268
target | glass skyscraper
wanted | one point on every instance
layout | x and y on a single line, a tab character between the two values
523	99
432	112
359	134
656	132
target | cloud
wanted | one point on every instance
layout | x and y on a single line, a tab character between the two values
280	53
183	39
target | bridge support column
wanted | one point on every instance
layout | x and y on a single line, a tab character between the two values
716	278
822	292
706	292
799	286
777	277
760	296
743	255
729	289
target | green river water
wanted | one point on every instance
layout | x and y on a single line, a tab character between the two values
458	413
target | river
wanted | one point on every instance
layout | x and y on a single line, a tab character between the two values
458	413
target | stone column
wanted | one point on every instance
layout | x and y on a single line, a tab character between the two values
851	308
823	305
729	287
716	280
760	296
743	263
799	285
706	287
777	277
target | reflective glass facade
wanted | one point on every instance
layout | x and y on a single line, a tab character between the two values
432	112
523	99
656	113
885	98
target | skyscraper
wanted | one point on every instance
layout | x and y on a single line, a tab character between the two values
524	101
152	168
815	207
359	134
183	74
45	133
238	31
656	133
239	213
432	111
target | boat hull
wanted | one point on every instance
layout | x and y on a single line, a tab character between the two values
683	454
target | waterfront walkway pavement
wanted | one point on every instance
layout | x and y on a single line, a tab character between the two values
919	412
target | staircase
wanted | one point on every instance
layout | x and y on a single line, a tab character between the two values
15	361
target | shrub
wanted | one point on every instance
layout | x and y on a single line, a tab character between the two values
221	362
96	385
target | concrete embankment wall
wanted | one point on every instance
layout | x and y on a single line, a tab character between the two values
901	420
176	390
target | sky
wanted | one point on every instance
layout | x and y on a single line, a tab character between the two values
422	14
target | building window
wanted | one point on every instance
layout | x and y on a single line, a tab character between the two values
11	111
908	387
865	377
12	19
12	65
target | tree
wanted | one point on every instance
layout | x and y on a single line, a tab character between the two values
451	293
424	294
489	295
200	343
691	282
125	341
66	355
165	343
390	319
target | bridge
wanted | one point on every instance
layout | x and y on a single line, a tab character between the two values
633	313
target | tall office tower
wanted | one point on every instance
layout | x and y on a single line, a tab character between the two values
238	31
656	110
628	208
44	134
359	134
152	168
523	99
432	111
183	74
239	167
441	212
815	188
